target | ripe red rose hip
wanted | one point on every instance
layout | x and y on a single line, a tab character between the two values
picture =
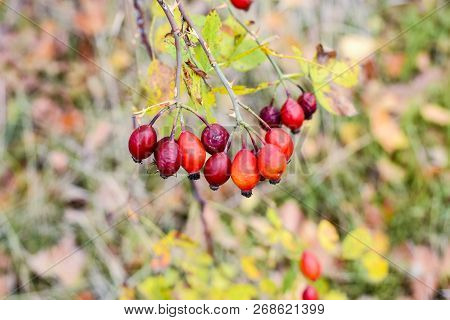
193	154
271	163
215	138
271	115
292	115
244	171
310	266
217	170
142	142
310	293
167	157
242	4
308	103
282	140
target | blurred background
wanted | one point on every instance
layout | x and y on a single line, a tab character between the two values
80	220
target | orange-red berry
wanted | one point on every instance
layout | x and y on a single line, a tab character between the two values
292	115
282	140
167	157
244	171
217	170
193	154
242	4
271	163
142	142
310	293
310	266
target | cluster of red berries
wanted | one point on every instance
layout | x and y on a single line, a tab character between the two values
293	113
310	267
242	4
248	167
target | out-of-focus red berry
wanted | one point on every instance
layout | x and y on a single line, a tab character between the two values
310	266
310	293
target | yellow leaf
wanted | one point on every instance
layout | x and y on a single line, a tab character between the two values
249	268
356	243
267	286
344	74
376	266
380	242
127	293
328	236
334	295
240	292
273	217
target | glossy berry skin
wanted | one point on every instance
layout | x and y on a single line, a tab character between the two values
244	171
215	138
167	157
282	140
310	266
292	115
271	116
217	170
142	142
193	154
310	293
242	4
271	163
308	103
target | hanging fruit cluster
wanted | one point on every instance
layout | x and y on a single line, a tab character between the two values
249	166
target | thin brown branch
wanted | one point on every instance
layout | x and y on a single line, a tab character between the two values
141	27
176	34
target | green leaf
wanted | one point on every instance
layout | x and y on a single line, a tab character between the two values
247	56
211	32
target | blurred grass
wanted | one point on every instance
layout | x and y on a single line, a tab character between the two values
65	171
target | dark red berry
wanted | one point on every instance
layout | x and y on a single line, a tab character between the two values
292	115
242	4
271	116
308	103
282	140
142	142
215	138
217	170
310	266
310	293
193	154
271	163
244	171
167	157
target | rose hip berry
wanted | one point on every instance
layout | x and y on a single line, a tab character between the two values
193	154
292	115
310	266
271	115
215	138
282	140
242	4
167	157
310	293
142	142
308	103
217	170
244	172
271	163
